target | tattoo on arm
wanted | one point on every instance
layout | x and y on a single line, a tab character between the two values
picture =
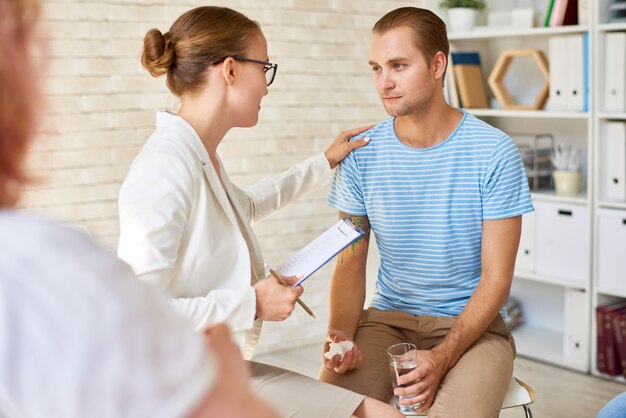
362	222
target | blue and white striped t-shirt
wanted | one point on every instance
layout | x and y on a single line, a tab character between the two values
426	207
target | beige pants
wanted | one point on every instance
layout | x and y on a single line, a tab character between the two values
296	395
474	387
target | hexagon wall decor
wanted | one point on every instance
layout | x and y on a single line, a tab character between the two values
496	78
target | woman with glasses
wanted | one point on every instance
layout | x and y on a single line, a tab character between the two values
186	228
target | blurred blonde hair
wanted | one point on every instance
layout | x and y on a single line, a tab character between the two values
18	93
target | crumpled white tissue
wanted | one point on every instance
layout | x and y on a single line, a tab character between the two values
340	348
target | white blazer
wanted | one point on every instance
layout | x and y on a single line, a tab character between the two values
181	230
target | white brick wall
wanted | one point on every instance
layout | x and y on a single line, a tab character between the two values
100	107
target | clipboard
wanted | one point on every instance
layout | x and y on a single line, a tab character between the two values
321	250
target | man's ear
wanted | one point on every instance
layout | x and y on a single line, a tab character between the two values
439	64
229	67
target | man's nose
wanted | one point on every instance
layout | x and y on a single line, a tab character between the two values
386	81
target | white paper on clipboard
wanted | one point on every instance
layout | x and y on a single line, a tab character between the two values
321	250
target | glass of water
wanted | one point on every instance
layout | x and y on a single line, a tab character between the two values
402	360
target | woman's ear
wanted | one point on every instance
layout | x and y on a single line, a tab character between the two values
229	67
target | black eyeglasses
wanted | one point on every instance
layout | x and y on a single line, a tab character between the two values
269	68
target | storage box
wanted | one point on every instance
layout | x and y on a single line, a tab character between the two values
562	241
501	19
611	250
523	18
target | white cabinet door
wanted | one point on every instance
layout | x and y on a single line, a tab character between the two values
525	260
562	241
611	267
575	341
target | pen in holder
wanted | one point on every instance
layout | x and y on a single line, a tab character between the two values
566	169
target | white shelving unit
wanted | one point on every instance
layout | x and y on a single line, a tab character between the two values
551	196
556	281
518	33
601	293
529	114
611	205
557	308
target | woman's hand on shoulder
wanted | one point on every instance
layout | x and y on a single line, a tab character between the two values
342	146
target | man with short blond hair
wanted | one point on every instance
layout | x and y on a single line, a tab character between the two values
444	193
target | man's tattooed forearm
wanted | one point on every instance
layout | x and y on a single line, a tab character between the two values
363	224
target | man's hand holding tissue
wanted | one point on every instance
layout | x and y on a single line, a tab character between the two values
344	354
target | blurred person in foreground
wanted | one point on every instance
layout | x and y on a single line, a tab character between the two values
81	337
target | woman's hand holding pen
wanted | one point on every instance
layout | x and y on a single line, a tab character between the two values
275	302
342	146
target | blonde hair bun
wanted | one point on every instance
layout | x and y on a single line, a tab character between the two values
158	52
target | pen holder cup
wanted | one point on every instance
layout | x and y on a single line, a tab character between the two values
566	183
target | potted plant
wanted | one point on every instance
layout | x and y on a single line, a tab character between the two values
462	13
566	169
